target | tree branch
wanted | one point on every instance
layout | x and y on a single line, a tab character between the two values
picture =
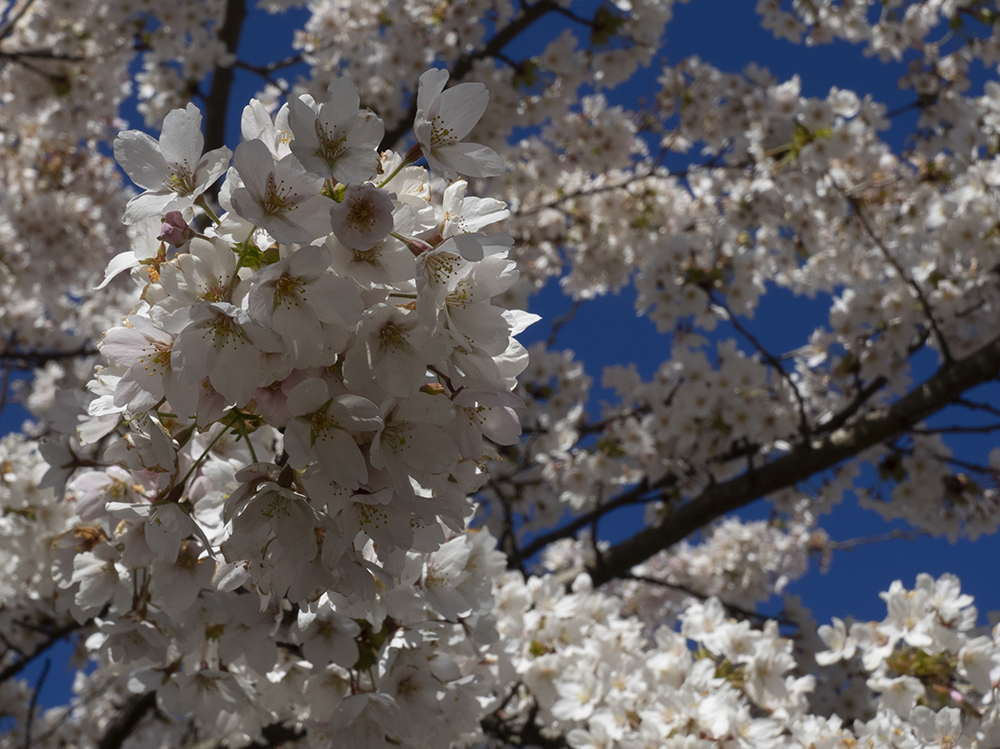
809	458
53	637
122	728
217	103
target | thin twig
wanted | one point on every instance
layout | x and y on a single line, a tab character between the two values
804	427
54	636
135	710
928	311
33	705
560	322
853	543
9	26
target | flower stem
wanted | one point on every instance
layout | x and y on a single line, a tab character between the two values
411	157
203	204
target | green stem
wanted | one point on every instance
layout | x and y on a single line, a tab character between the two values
244	251
411	157
246	437
203	204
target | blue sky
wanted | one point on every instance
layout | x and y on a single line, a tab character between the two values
607	330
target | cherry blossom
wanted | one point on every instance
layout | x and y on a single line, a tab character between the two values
444	118
279	196
173	171
294	474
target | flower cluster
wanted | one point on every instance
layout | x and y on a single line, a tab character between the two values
298	406
921	678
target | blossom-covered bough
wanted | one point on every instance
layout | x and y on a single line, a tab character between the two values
292	479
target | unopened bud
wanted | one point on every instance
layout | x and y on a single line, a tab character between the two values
175	230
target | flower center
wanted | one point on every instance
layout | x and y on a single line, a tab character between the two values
362	215
392	335
278	198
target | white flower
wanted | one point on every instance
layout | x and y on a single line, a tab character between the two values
288	514
411	439
280	197
444	118
256	124
467	215
143	349
311	309
172	171
364	217
224	344
841	646
319	431
394	349
336	139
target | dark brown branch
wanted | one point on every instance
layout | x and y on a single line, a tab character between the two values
217	104
28	360
39	685
808	459
122	728
634	495
52	637
9	26
463	64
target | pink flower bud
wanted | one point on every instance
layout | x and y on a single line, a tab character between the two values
175	229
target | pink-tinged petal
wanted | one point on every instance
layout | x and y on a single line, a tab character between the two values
364	217
283	229
298	443
301	333
181	140
294	528
428	448
139	155
181	396
124	346
138	390
313	215
235	369
120	262
483	324
401	373
308	262
246	206
255	121
426	408
367	130
166	526
357	412
356	166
